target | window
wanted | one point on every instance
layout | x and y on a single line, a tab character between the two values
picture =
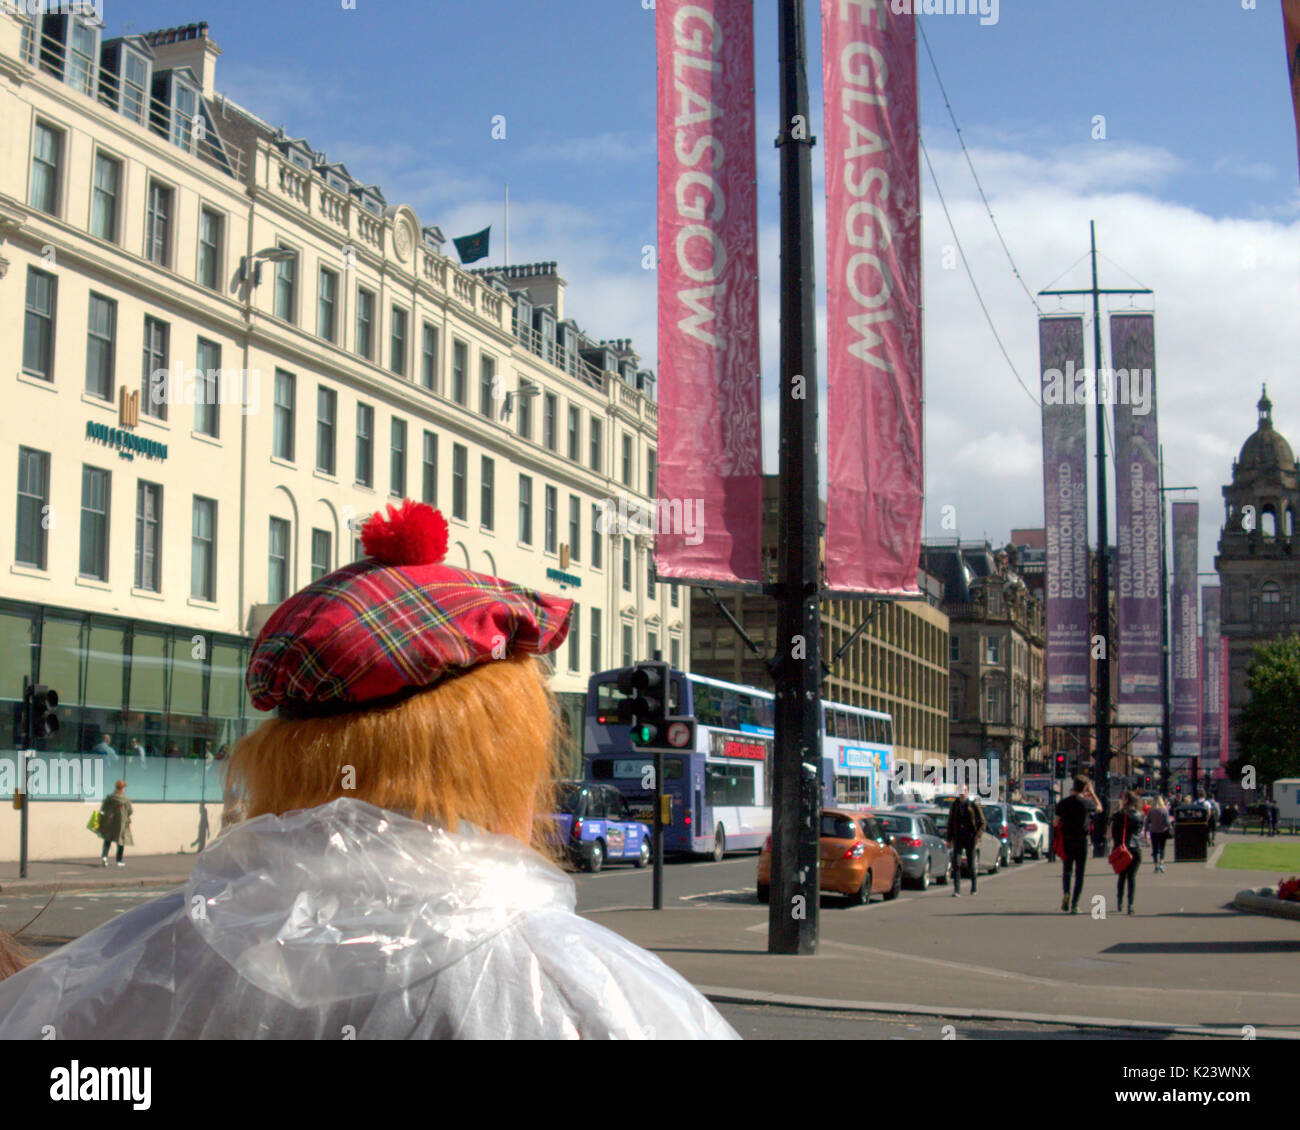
148	543
487	370
525	510
954	703
397	458
135	85
210	230
575	637
597	537
954	649
524	421
94	522
627	564
157	237
627	460
649	575
459	363
365	452
277	576
575	432
595	444
33	507
326	416
365	322
429	470
652	644
459	483
397	342
548	421
429	357
203	551
285	402
487	484
47	158
327	294
552	504
185	108
207	397
675	651
83	55
286	284
38	325
628	645
575	528
156	377
104	196
674	595
1271	604
993	708
652	473
993	649
320	554
101	343
595	639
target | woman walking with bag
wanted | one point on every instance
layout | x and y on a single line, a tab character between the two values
115	822
1156	825
1125	831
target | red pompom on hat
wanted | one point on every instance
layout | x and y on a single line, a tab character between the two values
395	623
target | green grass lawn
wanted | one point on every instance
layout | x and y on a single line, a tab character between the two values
1282	858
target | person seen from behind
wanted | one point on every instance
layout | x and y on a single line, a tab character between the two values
1074	818
1156	826
115	823
965	823
1125	828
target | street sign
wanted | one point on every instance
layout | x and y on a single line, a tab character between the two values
679	735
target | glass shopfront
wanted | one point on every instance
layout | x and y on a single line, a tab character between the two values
162	705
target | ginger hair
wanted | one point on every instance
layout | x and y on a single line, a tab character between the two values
481	747
12	956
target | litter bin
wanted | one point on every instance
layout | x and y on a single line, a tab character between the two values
1191	833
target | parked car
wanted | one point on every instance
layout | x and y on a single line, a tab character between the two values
988	849
1010	834
856	858
1037	829
921	850
594	826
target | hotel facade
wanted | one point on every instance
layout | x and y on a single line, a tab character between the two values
223	353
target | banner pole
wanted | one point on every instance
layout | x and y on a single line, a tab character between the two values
797	667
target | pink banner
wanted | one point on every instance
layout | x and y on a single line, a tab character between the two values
1291	28
873	298
710	492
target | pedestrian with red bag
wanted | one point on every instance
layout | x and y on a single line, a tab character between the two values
1126	831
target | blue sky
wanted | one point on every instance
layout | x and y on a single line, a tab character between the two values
1195	187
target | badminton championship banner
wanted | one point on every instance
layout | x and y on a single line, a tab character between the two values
1186	665
1065	512
1211	678
873	299
1137	492
709	510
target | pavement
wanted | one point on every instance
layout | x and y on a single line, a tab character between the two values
1187	963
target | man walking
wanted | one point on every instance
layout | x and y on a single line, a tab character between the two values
965	823
1074	817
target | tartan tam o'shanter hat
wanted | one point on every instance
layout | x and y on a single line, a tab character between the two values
395	623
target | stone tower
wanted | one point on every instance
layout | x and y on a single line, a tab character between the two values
1257	562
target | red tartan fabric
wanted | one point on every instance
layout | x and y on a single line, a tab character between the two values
369	630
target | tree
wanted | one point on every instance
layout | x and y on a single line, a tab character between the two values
1269	733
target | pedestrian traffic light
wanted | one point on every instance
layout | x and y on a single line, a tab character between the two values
42	721
645	708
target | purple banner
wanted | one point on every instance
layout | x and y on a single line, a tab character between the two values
1065	513
1211	682
1137	492
1186	665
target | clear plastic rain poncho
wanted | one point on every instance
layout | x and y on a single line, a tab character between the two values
347	921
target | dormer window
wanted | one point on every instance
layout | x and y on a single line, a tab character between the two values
336	182
83	56
185	107
135	79
298	157
370	204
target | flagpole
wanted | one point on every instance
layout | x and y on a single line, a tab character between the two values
507	261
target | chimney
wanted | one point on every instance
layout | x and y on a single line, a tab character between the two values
187	46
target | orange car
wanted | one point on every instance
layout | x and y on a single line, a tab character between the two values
857	859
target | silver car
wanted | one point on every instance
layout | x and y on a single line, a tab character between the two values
923	852
988	848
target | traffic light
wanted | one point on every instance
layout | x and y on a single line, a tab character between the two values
645	709
1060	766
42	721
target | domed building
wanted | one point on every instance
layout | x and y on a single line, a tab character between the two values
1258	565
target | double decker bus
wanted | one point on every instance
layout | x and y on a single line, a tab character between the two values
721	791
